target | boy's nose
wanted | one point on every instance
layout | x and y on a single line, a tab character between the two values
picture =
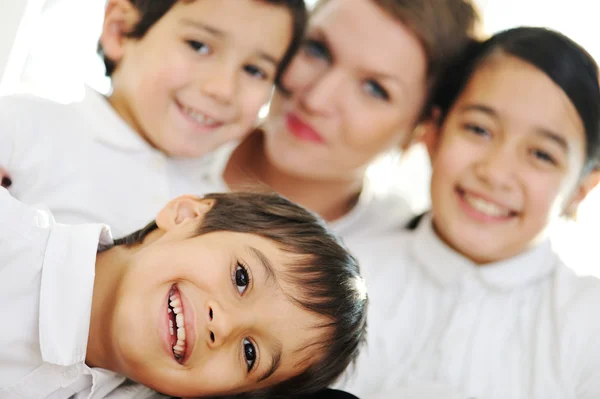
221	325
221	85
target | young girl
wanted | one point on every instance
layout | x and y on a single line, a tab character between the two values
481	302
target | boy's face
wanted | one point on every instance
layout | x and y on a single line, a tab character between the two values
508	161
200	75
237	328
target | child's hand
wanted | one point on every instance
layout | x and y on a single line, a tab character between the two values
6	181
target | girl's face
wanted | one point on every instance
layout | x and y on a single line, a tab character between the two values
357	88
508	160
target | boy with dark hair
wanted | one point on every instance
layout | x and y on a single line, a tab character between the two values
230	294
187	77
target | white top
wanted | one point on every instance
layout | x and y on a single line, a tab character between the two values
523	328
46	283
379	210
86	164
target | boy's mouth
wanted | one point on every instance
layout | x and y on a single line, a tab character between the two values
199	117
176	324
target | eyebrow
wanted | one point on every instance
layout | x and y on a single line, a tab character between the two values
275	361
199	25
557	138
220	34
266	264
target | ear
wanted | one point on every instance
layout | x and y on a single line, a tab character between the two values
581	192
182	210
120	17
430	132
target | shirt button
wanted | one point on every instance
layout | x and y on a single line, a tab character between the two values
71	373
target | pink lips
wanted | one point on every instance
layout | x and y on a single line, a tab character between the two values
302	130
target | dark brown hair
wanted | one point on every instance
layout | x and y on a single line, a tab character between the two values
568	64
326	274
153	10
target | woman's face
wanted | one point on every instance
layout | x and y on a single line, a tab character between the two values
357	88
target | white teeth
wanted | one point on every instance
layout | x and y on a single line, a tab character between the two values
178	326
180	320
486	207
198	117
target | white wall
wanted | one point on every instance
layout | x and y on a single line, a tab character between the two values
11	12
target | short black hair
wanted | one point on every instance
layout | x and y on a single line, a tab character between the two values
568	64
327	275
153	10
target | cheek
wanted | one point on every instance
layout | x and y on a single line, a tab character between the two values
547	196
370	129
252	99
451	161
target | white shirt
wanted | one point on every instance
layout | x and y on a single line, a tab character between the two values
86	164
379	210
523	328
46	283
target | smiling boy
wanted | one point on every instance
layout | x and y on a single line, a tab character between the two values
187	77
221	295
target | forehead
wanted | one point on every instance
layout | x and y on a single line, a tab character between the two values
365	37
242	20
521	93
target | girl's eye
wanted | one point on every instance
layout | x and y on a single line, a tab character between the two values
374	89
317	49
249	354
198	47
544	156
241	278
255	72
478	130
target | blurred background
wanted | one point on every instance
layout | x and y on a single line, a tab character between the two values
48	46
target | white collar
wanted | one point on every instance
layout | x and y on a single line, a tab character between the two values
66	291
449	267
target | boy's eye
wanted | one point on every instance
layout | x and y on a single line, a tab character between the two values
198	47
544	156
242	279
374	89
255	72
249	354
317	49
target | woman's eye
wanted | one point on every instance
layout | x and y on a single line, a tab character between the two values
478	130
255	72
198	47
317	49
374	89
242	279
544	156
249	354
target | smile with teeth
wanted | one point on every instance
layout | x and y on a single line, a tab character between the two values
200	117
177	324
486	207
